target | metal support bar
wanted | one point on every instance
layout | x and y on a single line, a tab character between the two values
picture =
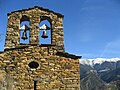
35	84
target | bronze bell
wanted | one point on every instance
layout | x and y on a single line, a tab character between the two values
24	35
44	35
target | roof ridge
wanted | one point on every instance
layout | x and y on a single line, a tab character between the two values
45	9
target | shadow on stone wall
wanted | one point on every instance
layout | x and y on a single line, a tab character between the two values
6	82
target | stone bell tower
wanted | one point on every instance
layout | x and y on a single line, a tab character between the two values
34	15
35	65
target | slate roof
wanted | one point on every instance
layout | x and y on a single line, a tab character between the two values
67	55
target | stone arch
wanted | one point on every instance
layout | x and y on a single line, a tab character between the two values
24	20
46	20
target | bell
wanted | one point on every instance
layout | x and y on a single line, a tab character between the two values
44	35
24	35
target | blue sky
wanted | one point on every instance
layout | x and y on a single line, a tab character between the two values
91	27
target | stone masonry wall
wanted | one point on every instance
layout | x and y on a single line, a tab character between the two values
34	16
54	72
57	70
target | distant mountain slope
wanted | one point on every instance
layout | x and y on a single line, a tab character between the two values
92	82
111	76
102	66
100	74
84	69
106	65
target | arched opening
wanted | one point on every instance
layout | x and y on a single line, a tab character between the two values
24	30
45	32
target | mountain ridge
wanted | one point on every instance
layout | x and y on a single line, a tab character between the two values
104	73
92	62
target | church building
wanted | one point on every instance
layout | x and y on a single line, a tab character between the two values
34	56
